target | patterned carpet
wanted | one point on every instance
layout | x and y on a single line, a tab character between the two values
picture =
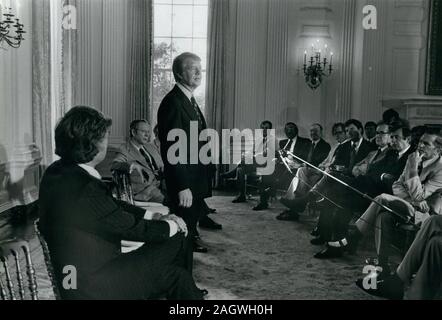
256	256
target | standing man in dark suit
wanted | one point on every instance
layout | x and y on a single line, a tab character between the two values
84	225
188	184
280	178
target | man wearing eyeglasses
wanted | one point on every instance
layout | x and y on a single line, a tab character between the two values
141	159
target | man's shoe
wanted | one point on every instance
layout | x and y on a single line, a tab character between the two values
329	253
261	206
239	199
384	268
198	246
317	241
204	292
295	205
390	287
315	232
208	223
288	215
212	210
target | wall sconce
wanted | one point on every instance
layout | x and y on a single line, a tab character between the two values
6	26
317	66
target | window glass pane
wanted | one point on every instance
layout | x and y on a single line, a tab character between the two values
179	26
162	53
163	20
200	92
200	22
162	82
182	1
201	2
181	45
182	21
200	48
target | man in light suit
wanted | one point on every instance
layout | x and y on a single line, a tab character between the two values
188	183
141	159
416	196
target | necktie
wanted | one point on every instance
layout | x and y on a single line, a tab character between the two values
288	146
197	111
265	147
352	156
310	154
376	155
149	160
419	168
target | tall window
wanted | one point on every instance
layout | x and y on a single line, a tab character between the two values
179	26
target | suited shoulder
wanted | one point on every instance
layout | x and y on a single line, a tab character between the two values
62	181
170	100
304	140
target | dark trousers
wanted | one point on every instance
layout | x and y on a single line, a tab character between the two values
333	223
279	179
335	217
152	271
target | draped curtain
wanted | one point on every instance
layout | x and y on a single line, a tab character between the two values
41	79
221	46
139	58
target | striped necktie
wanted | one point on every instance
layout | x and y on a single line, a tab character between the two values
197	111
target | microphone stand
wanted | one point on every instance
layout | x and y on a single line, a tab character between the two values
406	219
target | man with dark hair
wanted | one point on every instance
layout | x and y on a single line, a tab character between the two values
84	225
370	132
242	170
280	178
188	183
140	158
416	134
390	116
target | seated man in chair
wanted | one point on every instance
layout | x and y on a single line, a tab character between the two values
141	159
416	196
84	225
242	170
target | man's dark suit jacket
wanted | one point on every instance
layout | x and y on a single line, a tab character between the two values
84	225
176	112
301	149
343	153
395	167
321	151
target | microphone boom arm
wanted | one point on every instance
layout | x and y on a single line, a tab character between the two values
402	217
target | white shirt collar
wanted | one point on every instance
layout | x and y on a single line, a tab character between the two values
315	142
187	92
92	171
403	152
383	148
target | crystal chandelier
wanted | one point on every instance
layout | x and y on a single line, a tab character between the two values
11	32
